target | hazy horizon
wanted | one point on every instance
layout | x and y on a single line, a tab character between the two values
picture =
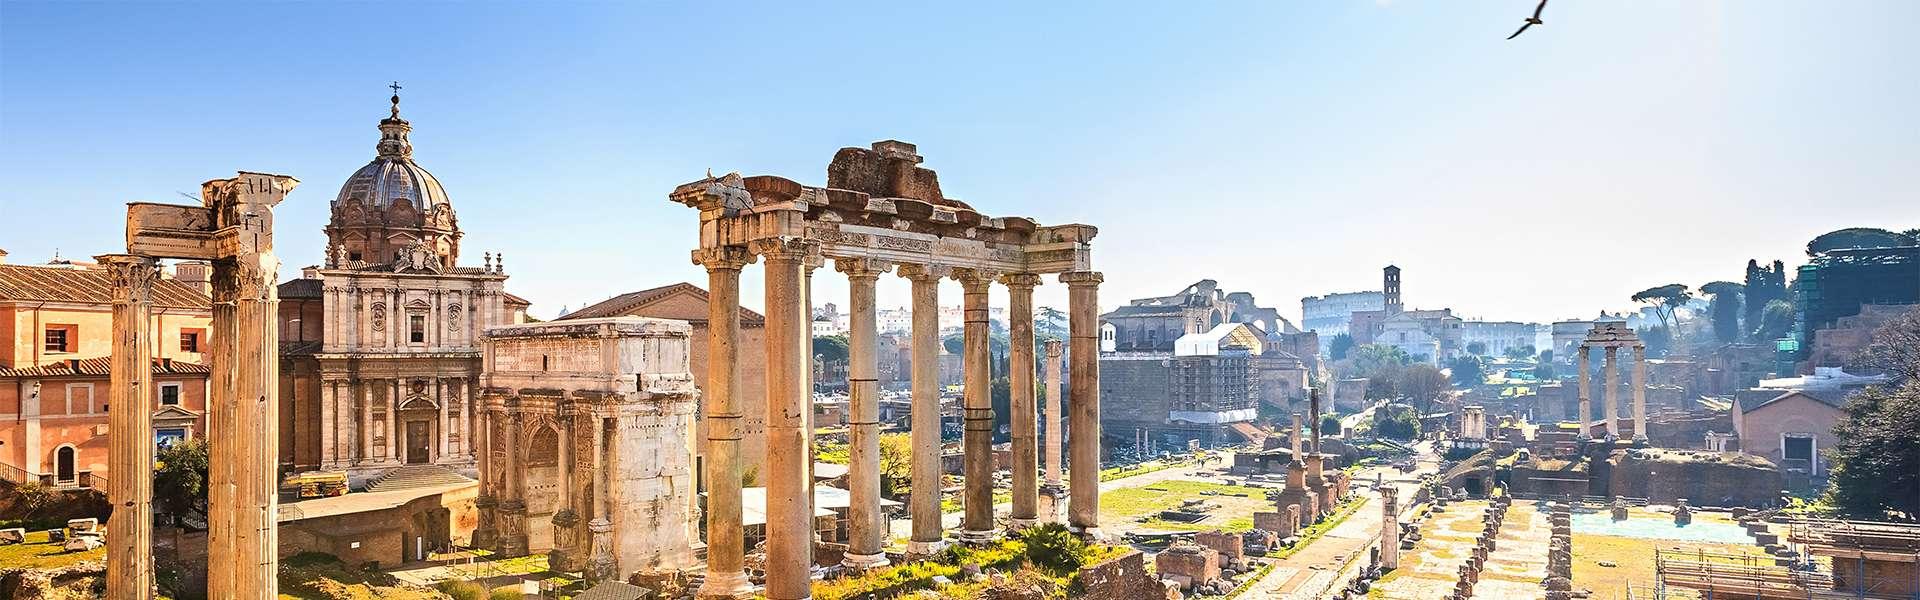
1283	150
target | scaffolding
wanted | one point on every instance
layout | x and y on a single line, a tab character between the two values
1822	559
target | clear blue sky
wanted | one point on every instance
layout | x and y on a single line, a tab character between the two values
1283	148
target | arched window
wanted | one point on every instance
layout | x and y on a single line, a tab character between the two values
63	465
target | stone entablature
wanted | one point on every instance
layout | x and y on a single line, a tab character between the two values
588	444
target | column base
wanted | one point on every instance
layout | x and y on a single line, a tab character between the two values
1017	524
919	548
1091	534
1640	440
725	586
975	538
864	561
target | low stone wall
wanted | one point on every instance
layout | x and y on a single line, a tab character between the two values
1122	578
39	584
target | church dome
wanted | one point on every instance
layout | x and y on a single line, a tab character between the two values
393	175
386	179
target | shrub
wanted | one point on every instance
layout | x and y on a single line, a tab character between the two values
511	592
1053	548
463	590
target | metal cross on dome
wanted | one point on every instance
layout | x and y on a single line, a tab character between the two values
396	88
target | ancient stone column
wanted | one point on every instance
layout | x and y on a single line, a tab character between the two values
924	501
364	453
1613	392
1582	364
130	422
1054	405
1294	440
789	508
1639	393
486	532
1083	308
566	555
601	563
1389	527
977	407
328	445
513	505
866	525
726	574
243	417
1020	369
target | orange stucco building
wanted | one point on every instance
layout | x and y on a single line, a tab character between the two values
57	320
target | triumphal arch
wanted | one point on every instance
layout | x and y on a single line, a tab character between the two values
880	212
234	230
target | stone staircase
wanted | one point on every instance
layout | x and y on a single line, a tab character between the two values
416	476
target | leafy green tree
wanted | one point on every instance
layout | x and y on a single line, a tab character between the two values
1330	425
1054	549
830	348
1477	348
1664	299
1876	460
1340	346
1468	371
180	479
1002	395
1725	309
32	496
1659	340
1396	421
1858	237
896	462
1520	352
1776	319
1545	371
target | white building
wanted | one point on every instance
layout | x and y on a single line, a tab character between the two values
1332	314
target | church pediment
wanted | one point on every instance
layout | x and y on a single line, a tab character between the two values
174	413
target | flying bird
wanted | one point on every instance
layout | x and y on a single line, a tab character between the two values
1531	21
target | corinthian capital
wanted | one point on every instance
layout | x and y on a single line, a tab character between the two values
723	258
133	276
1082	278
974	280
1023	281
925	272
862	268
784	248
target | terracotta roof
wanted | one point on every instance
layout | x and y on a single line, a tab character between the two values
100	367
511	298
624	304
87	286
301	288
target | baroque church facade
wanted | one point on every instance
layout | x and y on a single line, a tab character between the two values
381	346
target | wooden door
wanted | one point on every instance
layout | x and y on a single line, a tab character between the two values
417	439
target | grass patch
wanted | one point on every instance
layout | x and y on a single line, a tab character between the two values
1134	502
318	576
1314	531
1139	469
38	553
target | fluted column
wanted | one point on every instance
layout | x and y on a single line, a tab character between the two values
601	563
1020	369
866	525
130	418
1639	393
1613	392
243	418
789	507
924	501
1083	308
329	428
566	555
977	408
363	394
1582	364
726	573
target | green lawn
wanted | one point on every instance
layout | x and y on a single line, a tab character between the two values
1135	502
40	554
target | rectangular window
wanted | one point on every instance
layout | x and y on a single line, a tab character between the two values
58	339
417	328
1797	448
169	394
190	341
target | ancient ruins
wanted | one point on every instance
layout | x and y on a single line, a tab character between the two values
602	411
1613	336
234	230
880	210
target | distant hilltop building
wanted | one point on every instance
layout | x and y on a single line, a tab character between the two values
1431	336
1332	314
1195	365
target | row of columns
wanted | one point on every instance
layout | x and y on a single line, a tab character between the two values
347	422
1611	370
788	338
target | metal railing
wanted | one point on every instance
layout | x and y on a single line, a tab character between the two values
15	474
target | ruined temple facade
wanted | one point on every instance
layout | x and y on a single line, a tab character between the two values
380	346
